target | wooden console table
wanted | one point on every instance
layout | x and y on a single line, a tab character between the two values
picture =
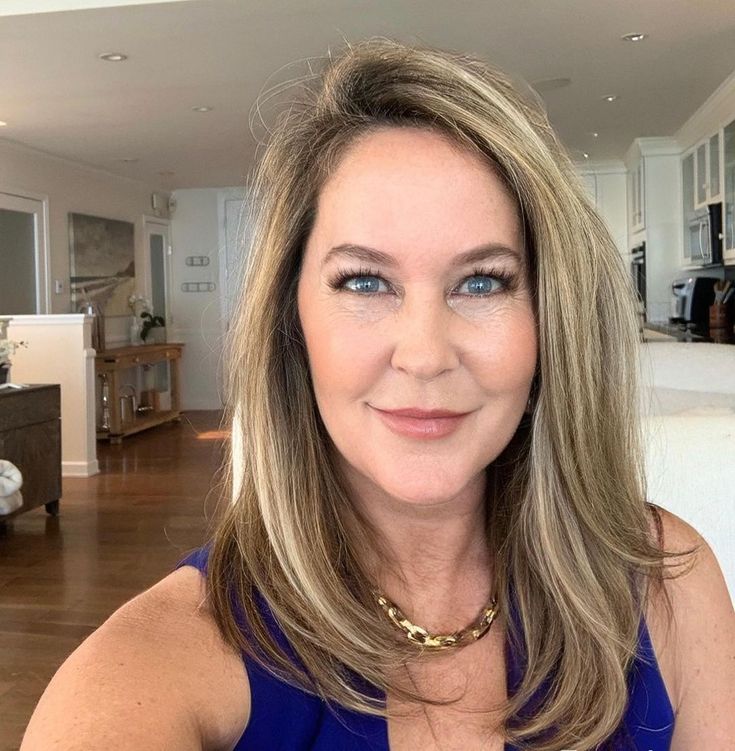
30	438
112	362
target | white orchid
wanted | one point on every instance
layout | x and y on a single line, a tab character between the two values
139	304
7	348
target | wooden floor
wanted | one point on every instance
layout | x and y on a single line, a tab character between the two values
117	534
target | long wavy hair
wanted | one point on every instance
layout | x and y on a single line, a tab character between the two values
566	509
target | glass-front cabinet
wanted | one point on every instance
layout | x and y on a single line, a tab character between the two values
706	164
687	208
713	167
728	207
707	169
700	169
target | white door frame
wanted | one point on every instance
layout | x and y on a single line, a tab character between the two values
36	204
163	227
228	194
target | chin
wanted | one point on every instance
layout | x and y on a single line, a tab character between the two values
424	488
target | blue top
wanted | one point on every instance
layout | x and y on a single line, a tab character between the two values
285	718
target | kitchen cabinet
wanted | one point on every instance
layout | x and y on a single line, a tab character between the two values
704	173
713	168
687	207
700	170
728	207
636	191
701	181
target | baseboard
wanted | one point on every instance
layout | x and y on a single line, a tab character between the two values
80	469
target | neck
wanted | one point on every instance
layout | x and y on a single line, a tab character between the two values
433	560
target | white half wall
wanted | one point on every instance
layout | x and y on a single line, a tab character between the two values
60	351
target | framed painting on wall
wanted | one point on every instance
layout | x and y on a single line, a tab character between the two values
102	262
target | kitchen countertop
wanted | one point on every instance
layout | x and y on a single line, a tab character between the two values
688	377
676	330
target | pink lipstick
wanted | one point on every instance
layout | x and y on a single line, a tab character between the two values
420	423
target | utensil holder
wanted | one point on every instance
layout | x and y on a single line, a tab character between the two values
720	323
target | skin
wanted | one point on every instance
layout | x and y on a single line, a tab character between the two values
424	332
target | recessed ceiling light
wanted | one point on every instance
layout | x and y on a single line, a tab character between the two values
113	57
634	37
610	97
585	155
202	109
2	123
593	133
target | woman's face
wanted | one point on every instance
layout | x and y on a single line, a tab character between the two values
413	296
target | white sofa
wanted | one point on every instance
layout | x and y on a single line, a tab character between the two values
688	408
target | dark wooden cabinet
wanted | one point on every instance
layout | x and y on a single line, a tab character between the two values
30	438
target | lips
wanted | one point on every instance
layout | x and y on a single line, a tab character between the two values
421	423
422	414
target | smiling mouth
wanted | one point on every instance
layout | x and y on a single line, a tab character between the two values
422	414
422	424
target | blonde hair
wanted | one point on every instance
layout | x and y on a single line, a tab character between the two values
567	516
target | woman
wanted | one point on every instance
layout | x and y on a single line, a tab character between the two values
434	372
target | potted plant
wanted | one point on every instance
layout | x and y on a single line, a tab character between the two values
7	348
138	304
150	322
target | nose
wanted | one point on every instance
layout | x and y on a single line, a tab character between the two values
423	346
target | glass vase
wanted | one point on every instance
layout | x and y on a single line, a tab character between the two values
135	327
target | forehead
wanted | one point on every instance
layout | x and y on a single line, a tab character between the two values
405	188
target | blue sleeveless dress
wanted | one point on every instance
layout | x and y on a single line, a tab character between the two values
284	718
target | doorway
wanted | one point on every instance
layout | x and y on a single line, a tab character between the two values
158	287
23	249
233	241
158	249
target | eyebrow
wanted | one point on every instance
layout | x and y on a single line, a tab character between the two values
474	255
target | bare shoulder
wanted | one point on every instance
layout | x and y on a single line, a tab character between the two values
156	675
696	646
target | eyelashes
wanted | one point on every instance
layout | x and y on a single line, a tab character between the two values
508	281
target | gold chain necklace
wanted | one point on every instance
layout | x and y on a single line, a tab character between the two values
423	638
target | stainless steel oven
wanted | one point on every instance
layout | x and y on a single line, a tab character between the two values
638	272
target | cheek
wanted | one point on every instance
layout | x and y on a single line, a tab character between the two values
504	353
345	352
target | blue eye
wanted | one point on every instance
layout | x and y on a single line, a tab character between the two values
365	284
479	285
362	282
488	282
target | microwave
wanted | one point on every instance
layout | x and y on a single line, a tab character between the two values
704	235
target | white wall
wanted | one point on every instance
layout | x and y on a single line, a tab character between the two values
662	172
606	184
60	351
71	187
196	316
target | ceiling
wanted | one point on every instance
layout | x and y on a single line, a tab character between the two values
58	97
